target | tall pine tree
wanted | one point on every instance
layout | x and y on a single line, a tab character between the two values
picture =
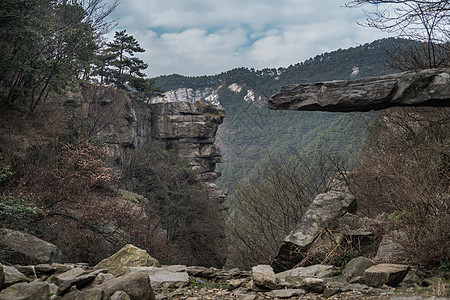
122	67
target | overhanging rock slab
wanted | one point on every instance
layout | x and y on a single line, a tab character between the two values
422	88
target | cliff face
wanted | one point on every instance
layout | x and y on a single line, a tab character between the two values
190	130
187	128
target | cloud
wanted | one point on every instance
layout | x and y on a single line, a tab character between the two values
203	37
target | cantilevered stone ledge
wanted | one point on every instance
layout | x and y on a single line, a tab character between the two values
422	88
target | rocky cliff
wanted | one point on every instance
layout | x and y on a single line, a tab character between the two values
190	130
125	122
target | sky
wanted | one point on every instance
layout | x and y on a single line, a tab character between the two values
207	37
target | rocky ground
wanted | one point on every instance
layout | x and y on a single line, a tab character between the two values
132	274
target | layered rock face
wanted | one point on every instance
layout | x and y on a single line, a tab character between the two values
190	130
423	88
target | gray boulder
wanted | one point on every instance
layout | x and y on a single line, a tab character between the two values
422	88
26	291
325	208
120	295
264	277
92	294
162	277
33	248
13	276
2	277
286	293
389	274
136	285
68	275
357	266
319	271
390	248
310	284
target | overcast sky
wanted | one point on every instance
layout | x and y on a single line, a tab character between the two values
206	37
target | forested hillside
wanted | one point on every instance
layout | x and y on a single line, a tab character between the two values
251	133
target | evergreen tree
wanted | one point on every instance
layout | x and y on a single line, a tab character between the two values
122	67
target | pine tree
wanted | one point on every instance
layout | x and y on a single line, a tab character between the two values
122	66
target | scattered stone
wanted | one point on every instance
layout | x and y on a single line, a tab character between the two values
357	266
33	248
161	277
103	278
389	274
120	295
310	284
319	271
26	291
412	278
248	297
38	270
79	282
286	293
202	272
264	277
92	294
69	275
129	256
236	283
12	276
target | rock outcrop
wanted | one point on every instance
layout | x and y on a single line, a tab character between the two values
325	208
423	88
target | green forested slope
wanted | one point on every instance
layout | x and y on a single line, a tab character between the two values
251	132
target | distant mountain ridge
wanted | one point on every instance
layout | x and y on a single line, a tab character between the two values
251	132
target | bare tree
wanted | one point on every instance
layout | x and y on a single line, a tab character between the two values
426	21
265	209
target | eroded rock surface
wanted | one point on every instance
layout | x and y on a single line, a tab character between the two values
423	88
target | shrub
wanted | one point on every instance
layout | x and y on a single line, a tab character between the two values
405	175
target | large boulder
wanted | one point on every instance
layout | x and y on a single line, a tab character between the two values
422	88
136	285
324	209
389	274
26	291
129	256
30	247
